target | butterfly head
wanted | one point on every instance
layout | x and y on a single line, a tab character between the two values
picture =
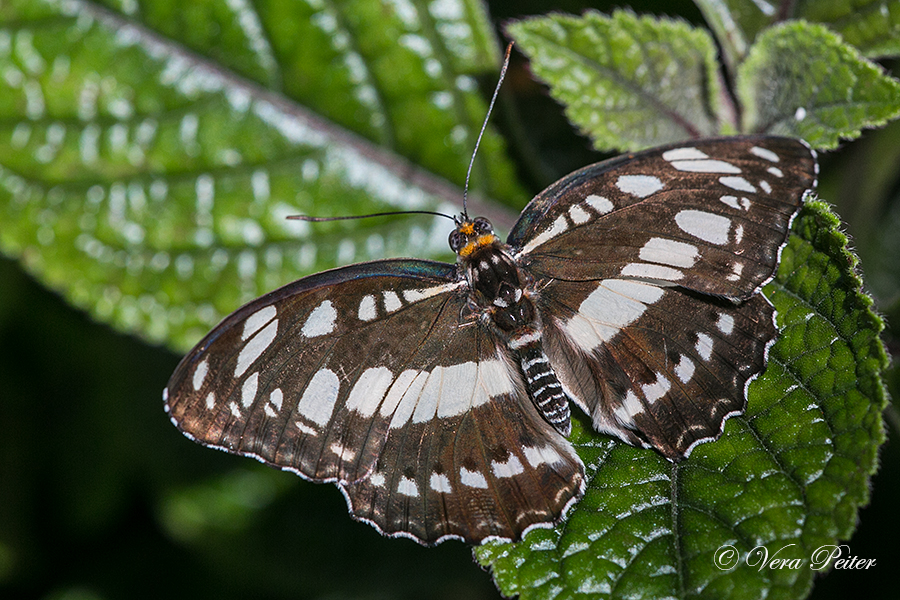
471	235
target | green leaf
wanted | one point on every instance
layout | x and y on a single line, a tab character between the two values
150	184
873	26
801	80
788	475
736	23
628	82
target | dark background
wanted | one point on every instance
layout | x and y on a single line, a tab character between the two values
100	497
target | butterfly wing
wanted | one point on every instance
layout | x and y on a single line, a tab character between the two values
709	216
648	267
378	378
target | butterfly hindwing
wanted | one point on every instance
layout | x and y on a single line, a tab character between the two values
494	471
654	365
342	373
710	215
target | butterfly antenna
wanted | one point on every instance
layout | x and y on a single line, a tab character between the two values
381	214
484	126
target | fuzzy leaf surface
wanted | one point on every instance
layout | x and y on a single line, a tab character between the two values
628	82
149	155
791	473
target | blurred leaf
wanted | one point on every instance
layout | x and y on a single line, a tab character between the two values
628	82
150	184
873	26
228	503
790	473
801	80
736	24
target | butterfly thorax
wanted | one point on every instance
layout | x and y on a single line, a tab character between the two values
500	292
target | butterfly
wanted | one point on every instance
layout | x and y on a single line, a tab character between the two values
437	396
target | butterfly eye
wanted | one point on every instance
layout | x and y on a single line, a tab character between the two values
483	226
455	240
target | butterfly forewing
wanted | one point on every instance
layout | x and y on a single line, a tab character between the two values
275	379
379	378
709	216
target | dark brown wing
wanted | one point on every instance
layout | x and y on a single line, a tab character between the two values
648	268
376	377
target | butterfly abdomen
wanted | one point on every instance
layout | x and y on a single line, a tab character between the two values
544	387
500	292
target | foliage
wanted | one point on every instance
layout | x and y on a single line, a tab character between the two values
149	152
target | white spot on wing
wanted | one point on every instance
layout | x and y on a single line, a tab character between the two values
775	171
614	304
235	411
210	400
395	394
408	487
656	390
320	320
319	397
725	323
440	483
432	392
472	478
684	370
578	214
418	295
305	428
367	308
543	455
684	154
764	153
736	271
257	320
639	185
377	479
731	201
510	468
253	349
649	271
765	186
704	346
408	401
366	395
737	183
631	407
458	390
705	166
391	301
558	227
599	203
704	225
248	390
200	375
669	252
276	398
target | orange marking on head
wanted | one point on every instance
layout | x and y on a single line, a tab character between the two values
480	242
486	240
467	228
